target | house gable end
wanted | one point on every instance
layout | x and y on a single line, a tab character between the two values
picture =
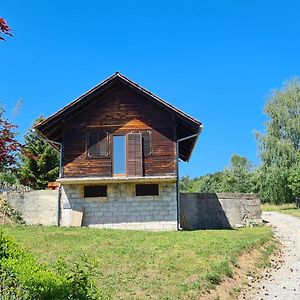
52	128
120	112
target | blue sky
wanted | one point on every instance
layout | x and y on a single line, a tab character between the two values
215	60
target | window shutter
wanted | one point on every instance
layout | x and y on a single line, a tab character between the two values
147	143
92	144
103	144
97	144
134	144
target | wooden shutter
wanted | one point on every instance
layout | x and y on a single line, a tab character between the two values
147	143
92	144
103	144
97	143
134	154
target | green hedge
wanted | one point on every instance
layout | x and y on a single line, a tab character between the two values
22	277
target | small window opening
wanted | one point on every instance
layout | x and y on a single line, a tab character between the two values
95	191
146	190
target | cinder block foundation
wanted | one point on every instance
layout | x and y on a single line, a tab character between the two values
122	209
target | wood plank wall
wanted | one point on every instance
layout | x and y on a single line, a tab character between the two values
119	111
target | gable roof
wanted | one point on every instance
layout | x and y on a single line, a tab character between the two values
51	128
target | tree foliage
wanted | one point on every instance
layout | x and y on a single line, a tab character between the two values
39	161
279	146
8	144
238	177
294	181
4	29
209	183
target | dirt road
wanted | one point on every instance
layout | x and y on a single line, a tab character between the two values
283	281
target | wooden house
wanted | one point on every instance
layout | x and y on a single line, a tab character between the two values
120	145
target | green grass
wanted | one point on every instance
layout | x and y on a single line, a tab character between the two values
289	208
265	253
146	265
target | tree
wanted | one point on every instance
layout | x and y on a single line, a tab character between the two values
238	178
209	183
239	165
9	146
279	146
294	182
39	161
184	183
4	29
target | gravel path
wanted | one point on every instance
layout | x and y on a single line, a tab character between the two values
283	281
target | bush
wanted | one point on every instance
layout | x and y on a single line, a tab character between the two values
21	277
8	178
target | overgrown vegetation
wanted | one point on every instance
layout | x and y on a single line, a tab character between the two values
143	265
22	277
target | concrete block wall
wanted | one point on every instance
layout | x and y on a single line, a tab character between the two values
218	210
122	209
36	207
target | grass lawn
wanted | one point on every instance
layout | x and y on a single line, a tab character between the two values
289	209
146	265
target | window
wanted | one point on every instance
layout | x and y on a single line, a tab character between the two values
97	144
95	191
146	190
119	155
147	143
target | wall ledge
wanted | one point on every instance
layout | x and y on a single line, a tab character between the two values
107	180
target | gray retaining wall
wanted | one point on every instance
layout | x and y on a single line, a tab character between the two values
122	209
36	207
218	210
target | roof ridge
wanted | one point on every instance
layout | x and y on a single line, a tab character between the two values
157	97
129	81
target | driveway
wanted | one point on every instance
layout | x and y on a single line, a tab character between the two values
282	281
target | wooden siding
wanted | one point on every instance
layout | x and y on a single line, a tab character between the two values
119	111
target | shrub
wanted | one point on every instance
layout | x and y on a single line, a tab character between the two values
21	277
